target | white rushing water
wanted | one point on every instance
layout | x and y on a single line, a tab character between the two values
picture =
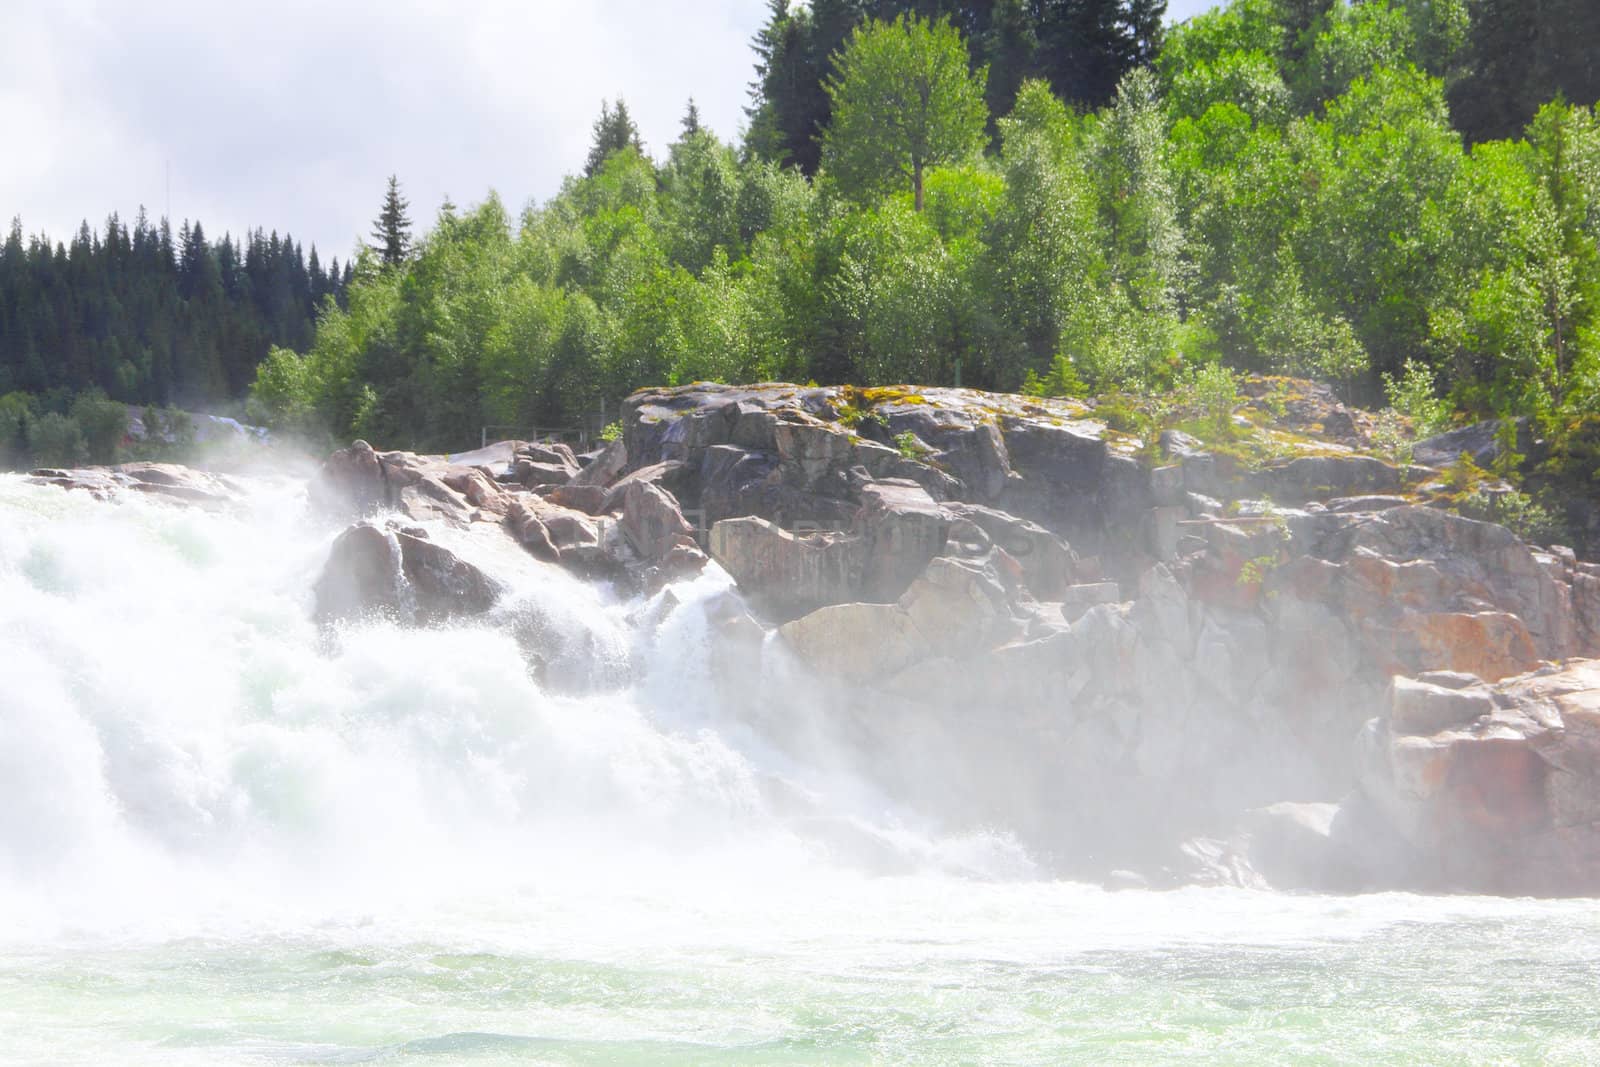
228	838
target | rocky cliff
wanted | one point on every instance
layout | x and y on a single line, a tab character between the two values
1276	664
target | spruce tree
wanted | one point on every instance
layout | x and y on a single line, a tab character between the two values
613	131
392	229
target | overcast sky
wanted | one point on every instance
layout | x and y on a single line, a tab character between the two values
291	114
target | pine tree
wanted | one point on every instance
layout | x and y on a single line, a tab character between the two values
613	131
391	230
691	120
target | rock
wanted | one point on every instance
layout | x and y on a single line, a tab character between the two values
1060	468
351	482
784	575
559	535
589	499
1078	599
167	481
1489	644
1418	707
1291	846
813	454
656	528
960	610
856	642
1508	802
1479	442
755	429
401	575
977	455
478	489
359	481
732	480
902	529
552	453
1162	608
1048	562
604	468
668	474
532	474
1365	503
1320	477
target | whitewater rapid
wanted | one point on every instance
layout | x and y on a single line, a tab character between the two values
227	836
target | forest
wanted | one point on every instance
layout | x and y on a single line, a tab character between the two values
141	316
1057	196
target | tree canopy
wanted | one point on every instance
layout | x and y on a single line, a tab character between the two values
903	102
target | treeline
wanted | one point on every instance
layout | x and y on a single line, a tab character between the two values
147	316
1082	48
1282	191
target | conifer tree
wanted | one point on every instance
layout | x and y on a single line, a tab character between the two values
614	130
392	229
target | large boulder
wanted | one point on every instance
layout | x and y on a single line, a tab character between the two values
562	535
902	529
814	454
606	467
787	575
397	573
1048	563
163	481
656	529
358	481
1494	788
856	642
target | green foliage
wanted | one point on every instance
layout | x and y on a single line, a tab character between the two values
56	440
17	411
1281	190
613	132
1078	51
147	315
1390	438
1413	395
1518	512
103	424
903	102
1213	391
1062	380
611	431
909	446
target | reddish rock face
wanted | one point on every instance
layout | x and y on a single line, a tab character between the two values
1495	787
1489	644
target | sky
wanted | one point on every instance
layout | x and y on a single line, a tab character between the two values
291	114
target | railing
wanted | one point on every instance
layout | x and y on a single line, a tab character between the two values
546	434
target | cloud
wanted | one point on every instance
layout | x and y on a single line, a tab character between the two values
291	114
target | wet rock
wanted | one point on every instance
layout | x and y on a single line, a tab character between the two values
785	575
167	481
855	642
397	573
558	535
351	482
656	529
1505	802
959	609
